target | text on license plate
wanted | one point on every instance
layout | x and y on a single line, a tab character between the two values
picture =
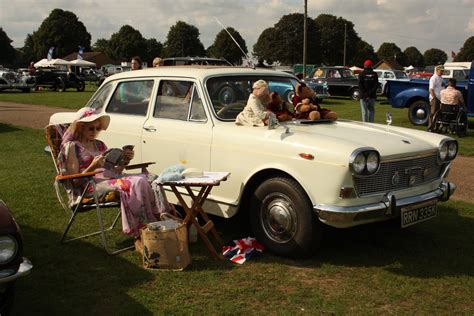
417	213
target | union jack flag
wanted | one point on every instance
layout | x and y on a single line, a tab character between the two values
80	53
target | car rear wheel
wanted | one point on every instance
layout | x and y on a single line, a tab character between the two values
81	86
289	97
419	112
226	95
282	218
355	94
60	85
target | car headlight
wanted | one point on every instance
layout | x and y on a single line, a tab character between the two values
372	162
452	150
364	162
8	248
447	150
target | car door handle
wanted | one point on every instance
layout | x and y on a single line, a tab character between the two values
149	128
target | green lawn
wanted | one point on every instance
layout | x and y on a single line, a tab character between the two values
380	269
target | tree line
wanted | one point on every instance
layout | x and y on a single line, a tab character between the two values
281	43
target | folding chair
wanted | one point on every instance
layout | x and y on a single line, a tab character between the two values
87	201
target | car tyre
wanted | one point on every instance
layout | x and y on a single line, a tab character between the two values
413	110
60	85
355	94
7	298
81	86
282	218
289	97
226	95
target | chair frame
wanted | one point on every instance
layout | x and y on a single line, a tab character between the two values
82	207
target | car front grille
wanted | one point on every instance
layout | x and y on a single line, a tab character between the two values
399	175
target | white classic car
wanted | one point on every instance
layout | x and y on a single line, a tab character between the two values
291	178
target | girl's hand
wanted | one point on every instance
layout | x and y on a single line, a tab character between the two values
98	162
128	155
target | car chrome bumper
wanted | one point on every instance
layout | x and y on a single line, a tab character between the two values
389	207
24	269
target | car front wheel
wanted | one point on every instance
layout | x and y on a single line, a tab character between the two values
81	86
282	218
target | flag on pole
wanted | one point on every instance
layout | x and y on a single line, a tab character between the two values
50	53
453	54
80	53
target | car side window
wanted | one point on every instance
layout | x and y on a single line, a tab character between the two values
131	97
389	75
99	99
179	100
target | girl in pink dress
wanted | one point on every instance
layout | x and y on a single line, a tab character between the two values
81	152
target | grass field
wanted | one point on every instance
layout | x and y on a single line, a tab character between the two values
380	269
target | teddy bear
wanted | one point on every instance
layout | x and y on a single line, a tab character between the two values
305	104
279	108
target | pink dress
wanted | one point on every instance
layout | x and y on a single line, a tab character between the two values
138	204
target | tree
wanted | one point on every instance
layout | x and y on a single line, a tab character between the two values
467	51
363	52
61	29
391	51
264	47
183	40
332	32
7	52
435	56
225	47
287	44
153	49
414	57
126	43
101	45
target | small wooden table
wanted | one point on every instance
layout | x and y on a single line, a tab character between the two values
204	186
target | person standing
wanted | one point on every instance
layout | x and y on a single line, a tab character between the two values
436	84
368	84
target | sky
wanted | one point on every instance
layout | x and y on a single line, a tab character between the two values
424	24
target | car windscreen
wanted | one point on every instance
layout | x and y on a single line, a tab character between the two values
229	94
400	75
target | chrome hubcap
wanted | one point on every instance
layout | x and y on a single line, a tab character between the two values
278	218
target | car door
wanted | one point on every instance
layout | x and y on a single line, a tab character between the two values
178	130
334	78
128	107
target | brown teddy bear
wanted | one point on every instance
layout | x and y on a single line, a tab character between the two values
306	96
279	108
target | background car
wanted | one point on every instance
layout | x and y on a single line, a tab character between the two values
183	61
340	81
12	263
389	74
13	80
58	80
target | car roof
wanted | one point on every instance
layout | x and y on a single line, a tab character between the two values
196	71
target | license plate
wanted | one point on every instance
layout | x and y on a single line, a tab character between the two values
414	214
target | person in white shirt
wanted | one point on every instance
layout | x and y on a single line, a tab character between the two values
436	84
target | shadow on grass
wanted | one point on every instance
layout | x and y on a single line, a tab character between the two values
76	278
435	248
6	128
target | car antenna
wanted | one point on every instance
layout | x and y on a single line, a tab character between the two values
236	43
